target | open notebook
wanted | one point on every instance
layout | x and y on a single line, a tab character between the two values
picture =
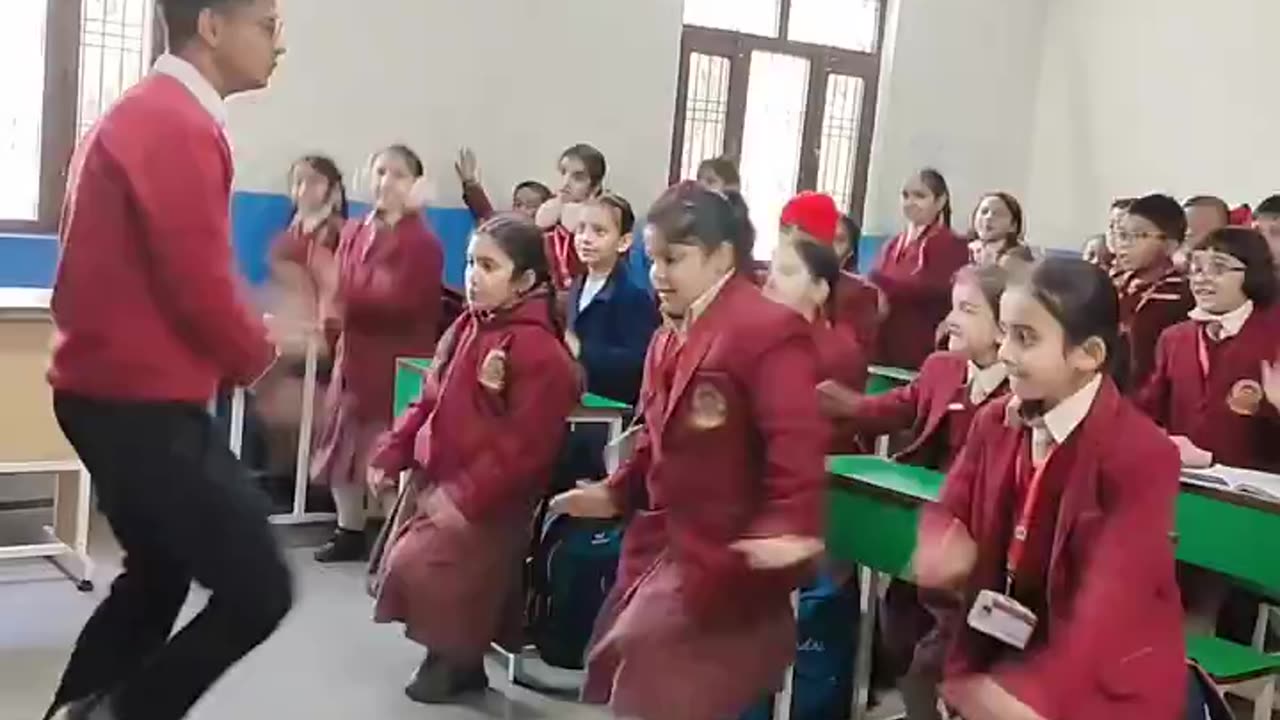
1247	482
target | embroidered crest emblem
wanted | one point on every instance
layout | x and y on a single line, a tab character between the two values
708	409
493	370
1245	397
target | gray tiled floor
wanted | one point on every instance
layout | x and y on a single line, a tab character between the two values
328	662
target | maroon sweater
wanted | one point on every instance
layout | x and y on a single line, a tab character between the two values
146	301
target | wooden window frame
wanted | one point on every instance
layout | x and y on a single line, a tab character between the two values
823	60
60	110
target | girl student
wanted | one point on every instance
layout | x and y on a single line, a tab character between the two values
939	407
860	306
1054	525
482	439
526	198
804	274
724	489
996	228
1208	390
914	271
388	306
582	170
610	317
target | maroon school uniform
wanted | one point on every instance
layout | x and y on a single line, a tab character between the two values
1098	566
936	407
486	432
563	256
858	309
915	276
146	302
389	304
732	447
1211	392
295	246
1150	301
842	360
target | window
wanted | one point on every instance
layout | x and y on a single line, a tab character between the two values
786	87
66	62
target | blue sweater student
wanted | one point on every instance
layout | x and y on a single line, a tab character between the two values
610	316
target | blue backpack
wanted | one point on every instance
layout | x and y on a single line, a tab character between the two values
826	643
572	570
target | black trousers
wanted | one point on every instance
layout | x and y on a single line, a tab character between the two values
183	509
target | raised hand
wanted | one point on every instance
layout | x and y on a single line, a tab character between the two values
467	167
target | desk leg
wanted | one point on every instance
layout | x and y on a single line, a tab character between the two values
782	701
72	498
613	448
237	421
866	642
302	474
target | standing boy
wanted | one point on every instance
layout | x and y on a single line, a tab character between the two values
148	323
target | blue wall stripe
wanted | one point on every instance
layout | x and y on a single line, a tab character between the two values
256	218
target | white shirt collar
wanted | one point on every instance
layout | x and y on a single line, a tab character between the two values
1063	419
984	381
1231	322
199	86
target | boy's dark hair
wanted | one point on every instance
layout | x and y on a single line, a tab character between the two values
591	158
1210	201
1270	206
534	185
182	16
1123	203
689	214
1249	247
617	204
1165	213
1082	298
722	167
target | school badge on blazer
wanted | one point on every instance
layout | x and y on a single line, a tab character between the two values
493	370
1245	397
708	409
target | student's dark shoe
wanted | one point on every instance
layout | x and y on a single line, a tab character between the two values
344	546
436	682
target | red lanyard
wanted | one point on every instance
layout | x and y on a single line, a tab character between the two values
1018	543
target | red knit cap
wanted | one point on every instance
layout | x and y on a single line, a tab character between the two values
813	213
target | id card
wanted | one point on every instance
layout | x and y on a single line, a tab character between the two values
1003	618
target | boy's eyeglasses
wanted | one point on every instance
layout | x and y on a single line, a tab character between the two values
1130	237
1212	266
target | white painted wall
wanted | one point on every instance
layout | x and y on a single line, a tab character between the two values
957	92
1142	95
516	79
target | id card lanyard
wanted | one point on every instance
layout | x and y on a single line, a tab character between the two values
1018	543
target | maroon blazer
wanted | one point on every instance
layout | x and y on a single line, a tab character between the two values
491	418
841	358
1150	301
733	446
1224	413
916	279
389	306
1109	643
858	309
935	407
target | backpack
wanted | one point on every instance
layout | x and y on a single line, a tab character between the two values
826	644
571	572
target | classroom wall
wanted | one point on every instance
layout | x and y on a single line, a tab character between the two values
519	81
1147	95
957	92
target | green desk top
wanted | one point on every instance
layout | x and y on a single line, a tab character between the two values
874	507
408	390
902	375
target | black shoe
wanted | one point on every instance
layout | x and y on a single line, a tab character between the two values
436	682
344	546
